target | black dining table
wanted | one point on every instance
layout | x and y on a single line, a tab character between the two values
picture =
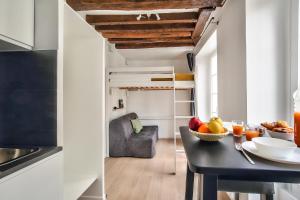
216	160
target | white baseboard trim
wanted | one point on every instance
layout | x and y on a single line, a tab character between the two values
88	197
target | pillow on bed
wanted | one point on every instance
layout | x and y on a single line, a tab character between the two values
136	125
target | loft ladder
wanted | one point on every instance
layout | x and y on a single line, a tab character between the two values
177	117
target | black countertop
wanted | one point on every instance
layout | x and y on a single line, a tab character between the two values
221	158
25	161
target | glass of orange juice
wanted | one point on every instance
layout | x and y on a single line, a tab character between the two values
297	128
238	127
251	133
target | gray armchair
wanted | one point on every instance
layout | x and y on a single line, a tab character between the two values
123	142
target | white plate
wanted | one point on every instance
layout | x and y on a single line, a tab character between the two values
274	146
294	158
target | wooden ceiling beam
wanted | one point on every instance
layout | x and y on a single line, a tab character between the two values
165	18
204	15
143	28
146	35
150	40
152	45
141	4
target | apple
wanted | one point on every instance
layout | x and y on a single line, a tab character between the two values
195	123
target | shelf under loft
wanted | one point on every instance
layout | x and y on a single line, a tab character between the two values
179	151
184	117
184	101
156	117
151	88
143	70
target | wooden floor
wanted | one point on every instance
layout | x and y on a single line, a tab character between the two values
147	179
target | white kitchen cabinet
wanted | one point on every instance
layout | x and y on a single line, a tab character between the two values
17	24
39	181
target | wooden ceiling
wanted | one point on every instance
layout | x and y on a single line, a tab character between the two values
167	30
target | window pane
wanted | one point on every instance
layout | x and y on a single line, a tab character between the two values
214	84
214	65
214	103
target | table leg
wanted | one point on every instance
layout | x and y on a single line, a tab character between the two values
200	187
208	187
189	185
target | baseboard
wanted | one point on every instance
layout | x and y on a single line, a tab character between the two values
92	198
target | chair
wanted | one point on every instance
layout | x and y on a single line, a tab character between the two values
228	184
251	187
123	142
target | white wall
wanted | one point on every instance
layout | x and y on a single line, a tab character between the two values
255	55
268	60
180	64
203	87
156	108
231	41
145	104
115	95
114	58
84	63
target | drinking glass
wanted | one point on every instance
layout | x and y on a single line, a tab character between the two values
251	133
237	127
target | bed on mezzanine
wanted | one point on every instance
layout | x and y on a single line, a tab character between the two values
149	78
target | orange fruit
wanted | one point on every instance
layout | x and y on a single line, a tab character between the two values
203	128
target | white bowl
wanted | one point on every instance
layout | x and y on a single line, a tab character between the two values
283	136
209	137
274	147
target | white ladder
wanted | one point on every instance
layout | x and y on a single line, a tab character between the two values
176	118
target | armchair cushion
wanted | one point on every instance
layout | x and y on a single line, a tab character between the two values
136	125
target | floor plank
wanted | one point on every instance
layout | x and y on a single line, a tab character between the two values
147	179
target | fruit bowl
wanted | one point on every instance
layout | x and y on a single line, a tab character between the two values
210	137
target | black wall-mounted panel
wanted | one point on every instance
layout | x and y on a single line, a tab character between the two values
28	105
191	61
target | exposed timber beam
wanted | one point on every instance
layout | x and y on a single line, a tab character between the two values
146	35
204	15
150	40
141	4
165	18
145	28
152	45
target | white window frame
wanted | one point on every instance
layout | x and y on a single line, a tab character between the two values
213	112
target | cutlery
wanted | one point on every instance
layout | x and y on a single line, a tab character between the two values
239	147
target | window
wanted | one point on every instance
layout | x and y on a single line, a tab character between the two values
207	80
214	86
